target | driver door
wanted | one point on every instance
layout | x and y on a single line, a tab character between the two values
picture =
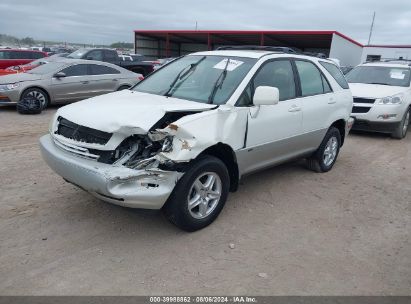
273	130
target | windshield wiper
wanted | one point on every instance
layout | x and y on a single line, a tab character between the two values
181	75
218	83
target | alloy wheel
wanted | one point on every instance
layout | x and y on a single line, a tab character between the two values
330	151
204	195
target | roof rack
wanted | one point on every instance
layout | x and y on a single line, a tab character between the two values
282	49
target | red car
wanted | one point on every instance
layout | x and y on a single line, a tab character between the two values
10	57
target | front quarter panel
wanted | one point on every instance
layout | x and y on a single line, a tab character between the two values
195	133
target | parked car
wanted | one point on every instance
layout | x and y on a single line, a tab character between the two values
111	56
183	137
12	57
66	80
28	66
162	61
382	97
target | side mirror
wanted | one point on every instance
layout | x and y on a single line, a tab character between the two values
60	75
265	95
89	58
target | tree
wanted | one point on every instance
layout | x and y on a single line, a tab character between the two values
27	41
122	45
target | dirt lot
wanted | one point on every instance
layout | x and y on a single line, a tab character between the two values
294	232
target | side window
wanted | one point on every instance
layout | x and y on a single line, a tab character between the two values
335	73
109	55
326	85
95	55
278	73
4	55
245	98
96	69
310	78
75	70
37	55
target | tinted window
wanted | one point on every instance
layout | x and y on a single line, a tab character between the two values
110	55
4	55
37	55
336	73
326	85
279	74
95	55
310	78
102	70
75	70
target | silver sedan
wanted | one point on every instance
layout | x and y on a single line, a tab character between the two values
66	81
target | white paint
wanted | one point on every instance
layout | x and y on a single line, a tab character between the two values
347	52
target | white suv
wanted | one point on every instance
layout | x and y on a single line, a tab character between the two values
382	97
182	138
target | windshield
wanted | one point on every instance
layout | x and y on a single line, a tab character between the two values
47	68
198	78
391	76
77	54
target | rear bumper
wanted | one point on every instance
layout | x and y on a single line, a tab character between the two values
148	189
383	127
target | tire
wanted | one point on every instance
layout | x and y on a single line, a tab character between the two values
38	94
29	105
402	129
326	155
123	87
207	202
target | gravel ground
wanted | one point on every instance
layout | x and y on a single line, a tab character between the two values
287	231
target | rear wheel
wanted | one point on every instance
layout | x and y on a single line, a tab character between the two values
37	94
200	195
402	129
326	155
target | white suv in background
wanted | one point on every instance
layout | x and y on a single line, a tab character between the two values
182	138
382	97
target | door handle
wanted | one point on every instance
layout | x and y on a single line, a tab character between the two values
85	82
331	101
115	79
294	108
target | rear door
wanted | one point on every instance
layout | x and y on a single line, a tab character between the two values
317	101
103	79
75	86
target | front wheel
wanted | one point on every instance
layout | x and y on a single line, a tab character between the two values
200	195
37	94
326	155
402	129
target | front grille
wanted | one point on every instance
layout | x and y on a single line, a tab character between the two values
360	109
363	100
76	132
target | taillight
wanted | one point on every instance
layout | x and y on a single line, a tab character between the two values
140	77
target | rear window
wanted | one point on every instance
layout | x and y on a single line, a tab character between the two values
335	73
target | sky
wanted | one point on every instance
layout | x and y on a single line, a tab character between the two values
107	21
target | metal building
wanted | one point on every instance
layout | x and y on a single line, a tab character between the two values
173	43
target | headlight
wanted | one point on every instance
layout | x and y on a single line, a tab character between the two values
391	100
8	87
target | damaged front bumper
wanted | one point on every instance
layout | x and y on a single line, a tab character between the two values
146	188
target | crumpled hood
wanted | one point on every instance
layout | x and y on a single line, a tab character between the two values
374	90
13	78
125	110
